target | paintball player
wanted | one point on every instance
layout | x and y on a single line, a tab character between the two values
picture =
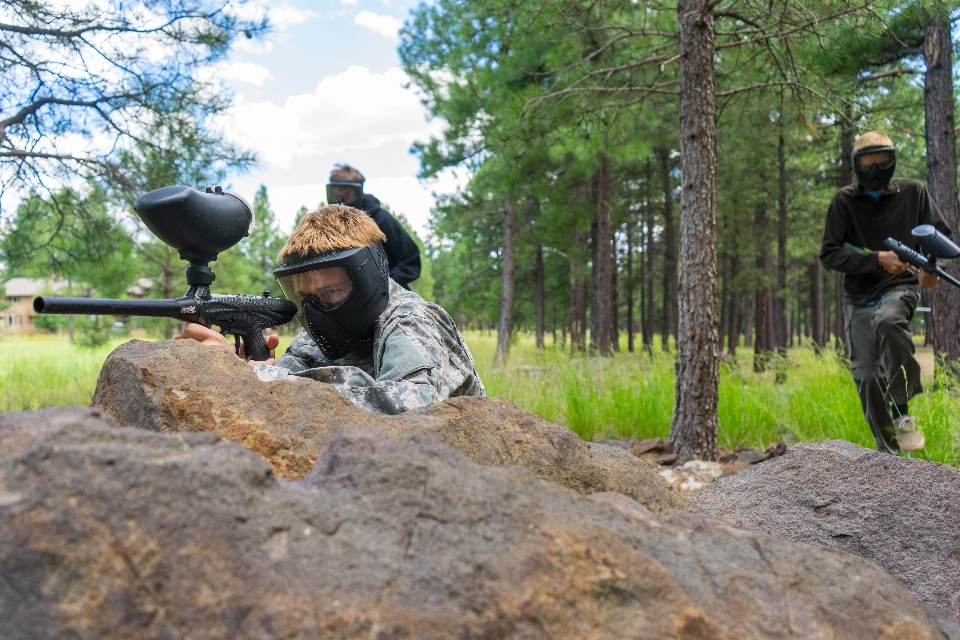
880	291
383	347
403	255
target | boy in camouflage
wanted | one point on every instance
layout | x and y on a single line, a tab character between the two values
385	348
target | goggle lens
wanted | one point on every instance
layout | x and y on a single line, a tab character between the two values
883	159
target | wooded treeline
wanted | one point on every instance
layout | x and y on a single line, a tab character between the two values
663	169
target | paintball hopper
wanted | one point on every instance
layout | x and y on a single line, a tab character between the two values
935	243
199	225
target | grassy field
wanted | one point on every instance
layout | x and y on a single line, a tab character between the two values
625	396
632	396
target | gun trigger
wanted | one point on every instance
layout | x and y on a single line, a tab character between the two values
236	343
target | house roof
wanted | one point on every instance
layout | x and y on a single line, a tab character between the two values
32	286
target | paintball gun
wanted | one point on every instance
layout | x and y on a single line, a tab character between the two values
935	244
200	226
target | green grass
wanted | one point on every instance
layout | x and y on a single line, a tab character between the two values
632	396
624	396
38	372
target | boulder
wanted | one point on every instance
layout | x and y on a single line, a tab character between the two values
110	532
901	513
182	386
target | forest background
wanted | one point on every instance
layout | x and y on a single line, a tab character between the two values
646	176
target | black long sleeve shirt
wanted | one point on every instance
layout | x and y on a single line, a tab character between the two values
403	255
864	222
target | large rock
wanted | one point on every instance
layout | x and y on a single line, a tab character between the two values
903	514
112	532
185	386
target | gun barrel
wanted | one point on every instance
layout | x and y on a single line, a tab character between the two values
107	307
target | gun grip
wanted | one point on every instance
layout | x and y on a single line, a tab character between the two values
255	346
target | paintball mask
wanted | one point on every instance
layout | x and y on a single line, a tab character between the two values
344	192
874	166
339	295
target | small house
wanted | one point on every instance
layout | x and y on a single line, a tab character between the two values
20	292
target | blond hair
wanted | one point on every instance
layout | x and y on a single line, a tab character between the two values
335	227
872	139
346	173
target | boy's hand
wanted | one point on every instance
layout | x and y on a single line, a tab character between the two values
205	335
927	279
890	263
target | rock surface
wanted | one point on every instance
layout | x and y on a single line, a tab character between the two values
110	532
185	386
903	514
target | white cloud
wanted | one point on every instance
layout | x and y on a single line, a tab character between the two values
384	25
366	119
351	3
285	15
346	112
248	72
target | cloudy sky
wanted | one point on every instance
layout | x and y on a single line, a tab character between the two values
324	87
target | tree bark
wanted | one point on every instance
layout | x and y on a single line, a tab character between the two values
780	299
630	286
816	306
725	299
648	328
578	302
748	306
693	433
838	339
941	140
602	303
733	337
505	326
670	299
615	303
540	295
761	339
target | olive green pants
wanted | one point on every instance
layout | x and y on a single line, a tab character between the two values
882	359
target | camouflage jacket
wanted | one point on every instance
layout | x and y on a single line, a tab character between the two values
418	358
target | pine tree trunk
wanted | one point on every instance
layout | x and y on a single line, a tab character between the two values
761	339
578	301
602	302
816	306
838	339
648	328
505	326
541	296
725	300
780	299
942	173
615	302
846	177
670	299
748	313
733	337
630	287
693	433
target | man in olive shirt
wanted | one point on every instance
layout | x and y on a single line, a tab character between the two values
880	291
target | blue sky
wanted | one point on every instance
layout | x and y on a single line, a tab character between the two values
323	87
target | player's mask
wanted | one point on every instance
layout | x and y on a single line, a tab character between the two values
344	192
339	296
874	167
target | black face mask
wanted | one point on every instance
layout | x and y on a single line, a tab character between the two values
875	177
347	325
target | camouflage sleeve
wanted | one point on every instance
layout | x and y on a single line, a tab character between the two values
414	370
379	396
302	354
